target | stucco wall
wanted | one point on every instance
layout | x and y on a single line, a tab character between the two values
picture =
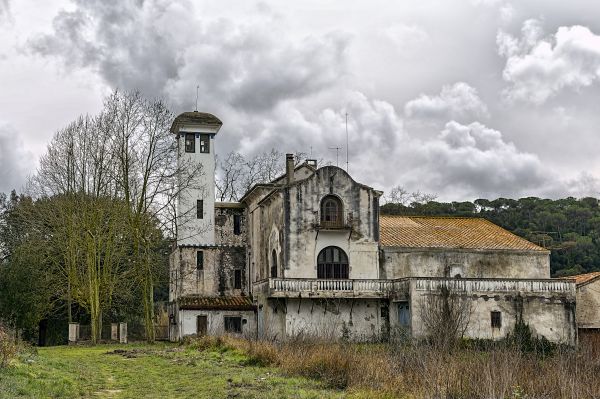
549	315
188	319
588	305
360	318
406	262
217	276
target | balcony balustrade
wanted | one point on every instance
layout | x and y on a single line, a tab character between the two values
400	288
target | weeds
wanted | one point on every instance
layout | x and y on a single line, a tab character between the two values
479	370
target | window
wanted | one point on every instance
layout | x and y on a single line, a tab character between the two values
331	211
200	209
496	319
274	264
237	279
199	260
332	262
237	224
204	143
233	324
190	142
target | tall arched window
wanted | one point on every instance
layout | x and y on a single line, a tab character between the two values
274	264
332	262
331	211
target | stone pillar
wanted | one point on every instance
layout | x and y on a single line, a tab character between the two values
123	333
114	331
73	332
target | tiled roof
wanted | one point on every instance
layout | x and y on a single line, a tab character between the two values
581	279
449	232
216	303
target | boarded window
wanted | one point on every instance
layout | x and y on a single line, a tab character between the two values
332	263
274	264
204	143
237	224
496	319
200	260
233	324
190	142
237	279
200	209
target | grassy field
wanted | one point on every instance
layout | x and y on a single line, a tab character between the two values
149	371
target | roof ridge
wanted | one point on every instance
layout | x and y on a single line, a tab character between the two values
437	217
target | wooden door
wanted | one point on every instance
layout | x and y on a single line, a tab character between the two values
201	325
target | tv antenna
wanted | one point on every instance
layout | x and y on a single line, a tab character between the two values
337	155
347	171
197	87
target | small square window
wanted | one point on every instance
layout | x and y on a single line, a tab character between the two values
200	209
237	279
496	319
200	260
233	324
237	224
204	143
190	142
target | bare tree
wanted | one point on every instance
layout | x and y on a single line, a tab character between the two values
445	315
400	195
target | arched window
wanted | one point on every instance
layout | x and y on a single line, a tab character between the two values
274	264
331	211
332	262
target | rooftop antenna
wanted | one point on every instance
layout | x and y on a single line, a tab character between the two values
347	169
337	155
197	87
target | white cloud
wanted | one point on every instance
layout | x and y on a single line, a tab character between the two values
539	68
457	101
406	37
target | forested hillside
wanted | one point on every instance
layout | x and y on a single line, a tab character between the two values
569	227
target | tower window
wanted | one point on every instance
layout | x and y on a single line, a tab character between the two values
200	209
237	224
496	319
190	142
237	279
204	143
199	260
274	264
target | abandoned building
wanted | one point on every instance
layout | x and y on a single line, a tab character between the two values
588	303
309	254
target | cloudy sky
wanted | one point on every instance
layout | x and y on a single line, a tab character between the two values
466	99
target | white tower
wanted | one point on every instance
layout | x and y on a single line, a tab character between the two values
196	133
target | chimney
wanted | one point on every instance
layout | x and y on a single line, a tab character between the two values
289	168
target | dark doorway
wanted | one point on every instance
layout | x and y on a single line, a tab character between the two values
201	325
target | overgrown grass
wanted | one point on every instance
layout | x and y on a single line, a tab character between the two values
422	371
150	371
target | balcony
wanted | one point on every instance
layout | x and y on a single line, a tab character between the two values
325	288
493	285
400	289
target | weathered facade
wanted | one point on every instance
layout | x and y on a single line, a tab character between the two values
309	254
588	302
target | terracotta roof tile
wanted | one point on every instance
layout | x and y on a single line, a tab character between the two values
216	303
449	232
581	279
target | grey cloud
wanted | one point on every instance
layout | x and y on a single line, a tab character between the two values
457	101
538	68
15	161
135	45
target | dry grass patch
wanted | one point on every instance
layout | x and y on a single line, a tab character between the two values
422	371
